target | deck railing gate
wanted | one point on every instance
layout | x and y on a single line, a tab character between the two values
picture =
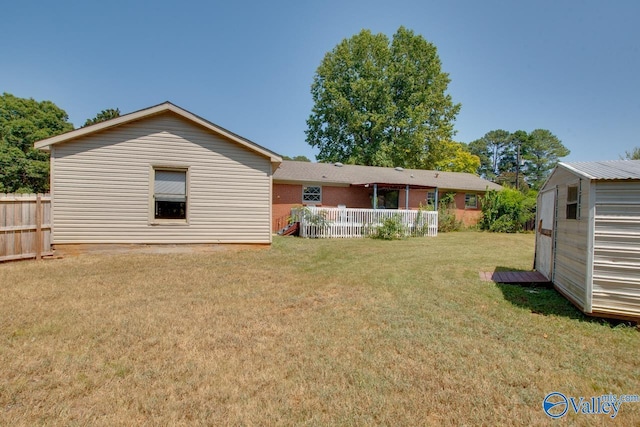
321	222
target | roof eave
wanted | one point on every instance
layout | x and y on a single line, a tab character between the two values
392	184
575	171
321	181
46	144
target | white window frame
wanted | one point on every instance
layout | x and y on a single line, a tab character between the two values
152	196
468	196
573	201
313	194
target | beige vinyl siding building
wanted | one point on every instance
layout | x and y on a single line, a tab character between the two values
160	175
588	235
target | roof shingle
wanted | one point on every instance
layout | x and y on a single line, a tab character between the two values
335	173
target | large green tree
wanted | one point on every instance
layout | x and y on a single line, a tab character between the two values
103	116
538	151
23	122
455	157
382	103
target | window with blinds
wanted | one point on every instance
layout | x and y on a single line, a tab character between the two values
170	194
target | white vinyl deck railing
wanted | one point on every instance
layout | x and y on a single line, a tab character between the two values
350	222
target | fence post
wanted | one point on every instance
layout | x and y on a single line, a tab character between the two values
39	227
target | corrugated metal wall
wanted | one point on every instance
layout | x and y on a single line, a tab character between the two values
103	185
571	248
616	276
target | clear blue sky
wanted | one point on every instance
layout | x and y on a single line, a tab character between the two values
572	67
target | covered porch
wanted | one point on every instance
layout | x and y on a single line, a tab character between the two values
385	195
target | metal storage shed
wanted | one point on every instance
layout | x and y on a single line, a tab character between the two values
588	236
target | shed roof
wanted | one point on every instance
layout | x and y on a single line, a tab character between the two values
337	173
165	107
606	170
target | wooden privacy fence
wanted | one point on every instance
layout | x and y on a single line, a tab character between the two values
25	226
350	222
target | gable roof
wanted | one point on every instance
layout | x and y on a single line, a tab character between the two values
337	173
606	170
165	107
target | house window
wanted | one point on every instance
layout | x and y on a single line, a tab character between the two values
470	201
572	202
312	194
170	194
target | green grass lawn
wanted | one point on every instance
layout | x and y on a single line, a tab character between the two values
309	332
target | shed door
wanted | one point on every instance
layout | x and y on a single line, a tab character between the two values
545	232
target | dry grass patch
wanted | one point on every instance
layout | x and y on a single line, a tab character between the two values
315	332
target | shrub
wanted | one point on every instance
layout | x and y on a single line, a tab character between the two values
305	214
506	211
447	215
504	224
447	221
391	229
420	225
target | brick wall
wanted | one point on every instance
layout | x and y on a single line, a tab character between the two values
285	196
351	197
468	216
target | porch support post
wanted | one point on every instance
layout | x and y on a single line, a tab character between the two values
375	196
435	200
406	198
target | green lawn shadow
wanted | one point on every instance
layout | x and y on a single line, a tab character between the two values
545	300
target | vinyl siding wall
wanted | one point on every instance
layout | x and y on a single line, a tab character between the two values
616	276
571	251
102	186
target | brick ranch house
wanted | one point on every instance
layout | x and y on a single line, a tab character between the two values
352	186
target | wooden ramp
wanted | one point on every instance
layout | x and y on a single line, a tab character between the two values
292	229
513	277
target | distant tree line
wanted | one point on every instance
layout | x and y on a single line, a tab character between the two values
23	169
299	158
518	157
